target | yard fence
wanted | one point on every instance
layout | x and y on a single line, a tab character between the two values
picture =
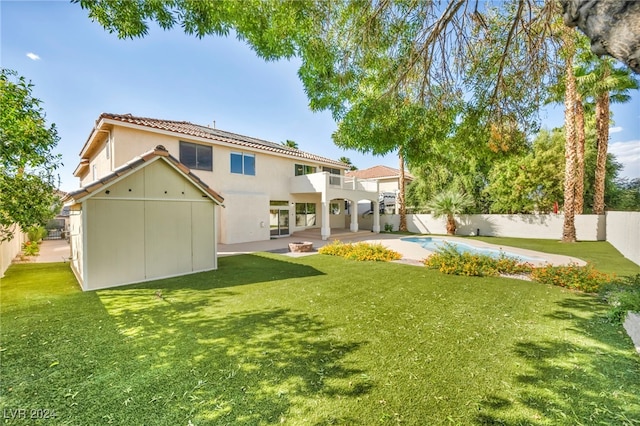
621	229
10	249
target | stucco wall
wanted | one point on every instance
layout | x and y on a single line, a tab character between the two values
10	249
246	197
623	232
588	227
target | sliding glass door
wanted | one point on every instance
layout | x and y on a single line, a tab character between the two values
279	221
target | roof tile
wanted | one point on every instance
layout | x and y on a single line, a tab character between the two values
190	129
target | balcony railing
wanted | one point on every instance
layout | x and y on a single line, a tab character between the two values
319	182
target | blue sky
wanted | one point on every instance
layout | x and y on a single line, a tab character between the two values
79	71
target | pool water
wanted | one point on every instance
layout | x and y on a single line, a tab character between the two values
433	244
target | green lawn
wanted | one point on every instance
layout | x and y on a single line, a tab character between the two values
319	340
601	254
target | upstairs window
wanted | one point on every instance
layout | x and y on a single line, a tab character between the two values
196	156
243	164
302	169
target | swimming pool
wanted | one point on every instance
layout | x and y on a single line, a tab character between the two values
433	244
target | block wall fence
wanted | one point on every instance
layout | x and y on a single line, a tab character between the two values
621	229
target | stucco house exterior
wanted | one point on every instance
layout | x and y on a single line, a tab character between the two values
388	180
269	190
150	218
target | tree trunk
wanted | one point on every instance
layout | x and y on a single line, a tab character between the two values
580	142
569	228
401	204
451	225
602	131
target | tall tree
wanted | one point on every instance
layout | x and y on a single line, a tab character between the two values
27	165
402	206
569	228
604	83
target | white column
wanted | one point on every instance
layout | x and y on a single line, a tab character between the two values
325	229
376	217
354	217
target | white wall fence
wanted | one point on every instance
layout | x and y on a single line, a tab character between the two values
621	229
10	249
623	232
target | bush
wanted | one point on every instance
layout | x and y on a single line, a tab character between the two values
583	278
360	251
388	227
30	248
36	233
623	295
449	260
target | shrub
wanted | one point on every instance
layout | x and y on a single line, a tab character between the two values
623	295
388	227
449	260
360	251
583	278
30	248
36	233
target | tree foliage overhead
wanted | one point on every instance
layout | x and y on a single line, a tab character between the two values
27	165
357	53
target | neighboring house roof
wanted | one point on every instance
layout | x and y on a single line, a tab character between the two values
378	172
160	152
196	130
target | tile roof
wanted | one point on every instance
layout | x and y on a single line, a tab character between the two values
378	172
136	163
190	129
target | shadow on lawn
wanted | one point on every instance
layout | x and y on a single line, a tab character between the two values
235	271
218	359
589	375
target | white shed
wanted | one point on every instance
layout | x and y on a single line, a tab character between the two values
150	219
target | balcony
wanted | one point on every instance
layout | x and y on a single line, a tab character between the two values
335	186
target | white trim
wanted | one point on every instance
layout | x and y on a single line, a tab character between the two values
190	200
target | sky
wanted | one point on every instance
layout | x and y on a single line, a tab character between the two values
79	71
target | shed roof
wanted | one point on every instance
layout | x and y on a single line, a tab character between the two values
160	152
196	130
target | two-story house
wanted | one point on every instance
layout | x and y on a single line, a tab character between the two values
157	196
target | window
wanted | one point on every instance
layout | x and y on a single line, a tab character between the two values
196	156
305	214
243	164
301	169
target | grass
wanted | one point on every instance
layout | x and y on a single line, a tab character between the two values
601	254
317	340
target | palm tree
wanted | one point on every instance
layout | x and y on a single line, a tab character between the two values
600	80
449	204
569	227
347	161
290	144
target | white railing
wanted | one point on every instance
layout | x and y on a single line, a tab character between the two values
319	182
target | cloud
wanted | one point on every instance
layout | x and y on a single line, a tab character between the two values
616	129
628	154
33	56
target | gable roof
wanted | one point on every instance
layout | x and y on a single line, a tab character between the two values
205	132
159	153
378	172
